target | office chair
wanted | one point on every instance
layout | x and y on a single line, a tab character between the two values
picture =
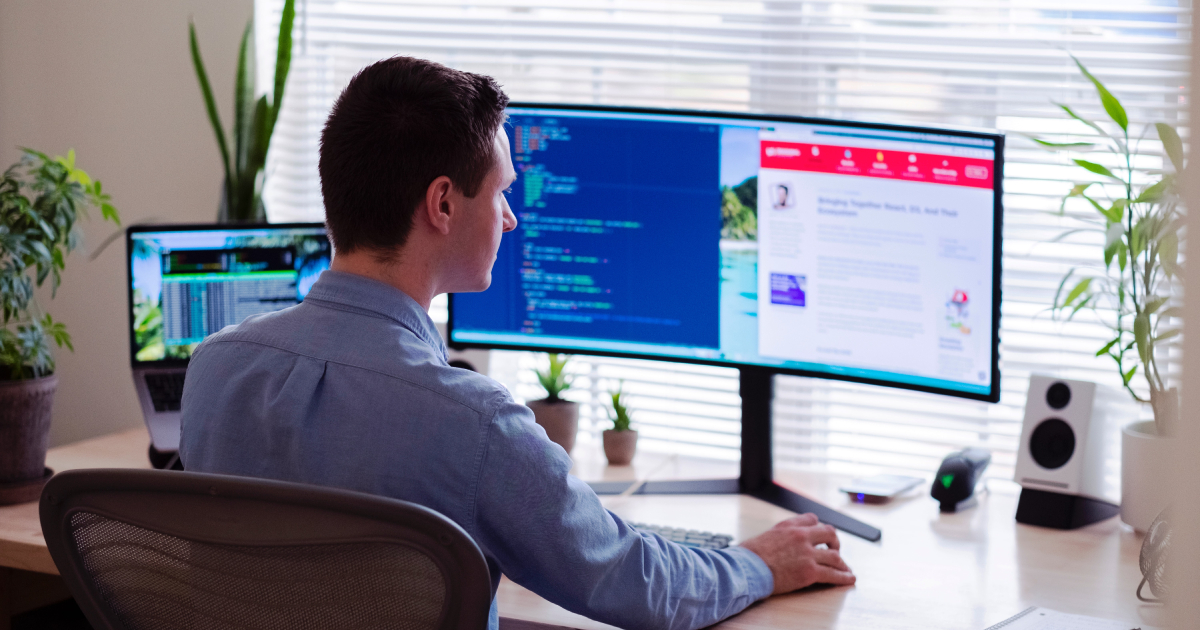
150	549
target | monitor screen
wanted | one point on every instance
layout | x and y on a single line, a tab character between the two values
861	252
187	282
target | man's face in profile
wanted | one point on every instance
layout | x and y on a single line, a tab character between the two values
486	217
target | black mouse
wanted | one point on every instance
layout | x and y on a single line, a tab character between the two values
954	484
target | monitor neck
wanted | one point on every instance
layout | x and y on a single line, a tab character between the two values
757	392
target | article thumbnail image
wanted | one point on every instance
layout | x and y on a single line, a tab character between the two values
787	289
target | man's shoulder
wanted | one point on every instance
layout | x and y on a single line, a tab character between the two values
354	342
275	328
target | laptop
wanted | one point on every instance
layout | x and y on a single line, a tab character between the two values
187	282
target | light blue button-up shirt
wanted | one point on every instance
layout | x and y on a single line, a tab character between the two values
351	389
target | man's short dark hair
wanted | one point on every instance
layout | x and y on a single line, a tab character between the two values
400	124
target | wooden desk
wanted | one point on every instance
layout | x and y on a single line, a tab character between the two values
931	570
28	577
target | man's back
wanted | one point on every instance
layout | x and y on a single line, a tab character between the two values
351	389
330	394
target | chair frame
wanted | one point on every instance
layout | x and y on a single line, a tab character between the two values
228	510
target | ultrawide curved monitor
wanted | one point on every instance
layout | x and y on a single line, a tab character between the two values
852	251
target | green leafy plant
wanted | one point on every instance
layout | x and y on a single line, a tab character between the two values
253	122
1140	223
41	201
554	379
619	413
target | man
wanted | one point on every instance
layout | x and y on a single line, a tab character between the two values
351	388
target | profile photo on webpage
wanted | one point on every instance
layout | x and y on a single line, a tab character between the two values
782	196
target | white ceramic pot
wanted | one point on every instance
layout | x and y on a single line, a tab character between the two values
1145	474
560	419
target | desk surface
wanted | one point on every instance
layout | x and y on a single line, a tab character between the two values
930	571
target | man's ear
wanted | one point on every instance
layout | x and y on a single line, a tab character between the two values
438	204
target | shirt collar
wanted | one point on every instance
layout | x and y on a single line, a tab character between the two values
362	293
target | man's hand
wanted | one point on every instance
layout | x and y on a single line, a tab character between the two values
791	551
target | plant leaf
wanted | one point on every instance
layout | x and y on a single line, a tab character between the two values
1110	252
209	102
283	61
1062	145
1108	346
1104	212
1141	334
1153	304
1168	252
109	213
1070	112
1076	191
1172	144
1084	303
1079	289
1111	105
1128	376
1097	169
1167	334
1155	192
243	99
1174	311
1117	210
42	251
1137	238
261	138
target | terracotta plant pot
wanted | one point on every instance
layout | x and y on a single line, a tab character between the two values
24	436
1145	474
560	419
619	446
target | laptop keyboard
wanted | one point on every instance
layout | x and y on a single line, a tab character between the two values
166	390
687	537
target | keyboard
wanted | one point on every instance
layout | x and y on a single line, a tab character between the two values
166	390
687	537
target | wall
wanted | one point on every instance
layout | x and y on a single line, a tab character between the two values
114	81
1185	556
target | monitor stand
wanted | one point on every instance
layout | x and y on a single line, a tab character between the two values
757	474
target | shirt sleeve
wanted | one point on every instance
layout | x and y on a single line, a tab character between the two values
548	532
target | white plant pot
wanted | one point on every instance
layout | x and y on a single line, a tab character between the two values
1145	474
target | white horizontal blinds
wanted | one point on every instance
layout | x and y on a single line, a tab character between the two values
1000	68
677	408
994	64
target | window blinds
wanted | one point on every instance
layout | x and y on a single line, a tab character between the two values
990	63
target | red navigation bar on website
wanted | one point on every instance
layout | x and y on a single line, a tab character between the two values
887	164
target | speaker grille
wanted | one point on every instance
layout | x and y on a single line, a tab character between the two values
1052	443
1058	396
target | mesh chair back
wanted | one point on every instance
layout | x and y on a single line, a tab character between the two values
145	549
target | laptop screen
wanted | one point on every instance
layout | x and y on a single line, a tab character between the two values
187	282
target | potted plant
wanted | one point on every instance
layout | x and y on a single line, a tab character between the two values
253	123
41	200
620	442
1133	291
559	417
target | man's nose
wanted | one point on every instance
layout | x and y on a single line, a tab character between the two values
510	219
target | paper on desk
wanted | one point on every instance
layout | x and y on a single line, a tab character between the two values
1035	618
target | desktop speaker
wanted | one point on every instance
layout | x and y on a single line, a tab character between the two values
1062	455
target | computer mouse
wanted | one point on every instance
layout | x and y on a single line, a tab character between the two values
954	484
